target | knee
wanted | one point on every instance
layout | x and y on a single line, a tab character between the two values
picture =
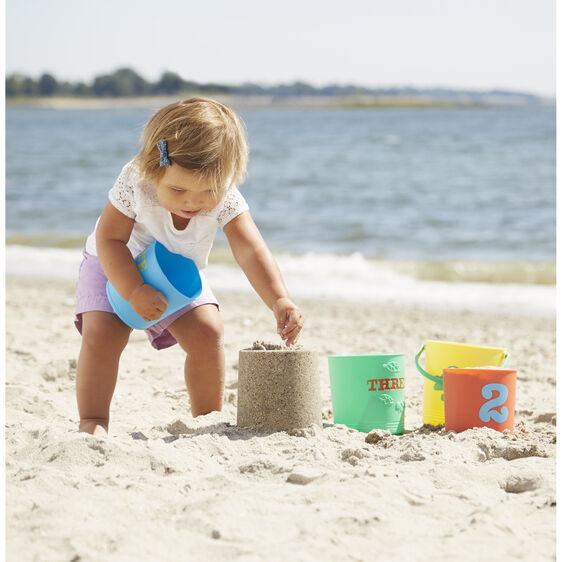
208	335
211	332
104	338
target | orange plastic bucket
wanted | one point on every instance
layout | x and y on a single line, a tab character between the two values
479	397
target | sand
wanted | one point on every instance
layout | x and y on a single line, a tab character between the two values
165	486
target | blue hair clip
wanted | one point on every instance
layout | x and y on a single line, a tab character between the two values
163	148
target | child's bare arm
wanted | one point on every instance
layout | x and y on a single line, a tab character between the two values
113	232
261	269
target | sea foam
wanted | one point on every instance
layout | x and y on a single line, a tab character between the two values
349	278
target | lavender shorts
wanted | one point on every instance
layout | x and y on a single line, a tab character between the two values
90	295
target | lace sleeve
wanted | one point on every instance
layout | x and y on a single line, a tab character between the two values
233	204
122	194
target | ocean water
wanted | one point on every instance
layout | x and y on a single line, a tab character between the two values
392	184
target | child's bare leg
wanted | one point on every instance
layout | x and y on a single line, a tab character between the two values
104	337
200	334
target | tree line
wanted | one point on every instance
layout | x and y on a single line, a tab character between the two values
125	82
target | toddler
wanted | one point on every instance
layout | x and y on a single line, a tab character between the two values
179	189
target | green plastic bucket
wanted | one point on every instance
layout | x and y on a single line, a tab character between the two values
368	391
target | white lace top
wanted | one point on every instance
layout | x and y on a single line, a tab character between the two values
136	198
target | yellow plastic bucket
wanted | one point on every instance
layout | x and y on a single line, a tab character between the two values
441	355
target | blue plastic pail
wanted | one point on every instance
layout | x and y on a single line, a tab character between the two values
175	276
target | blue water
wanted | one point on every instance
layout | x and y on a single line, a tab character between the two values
388	183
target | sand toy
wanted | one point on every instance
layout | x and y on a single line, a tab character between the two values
479	397
177	277
368	391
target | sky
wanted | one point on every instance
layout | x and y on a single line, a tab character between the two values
460	44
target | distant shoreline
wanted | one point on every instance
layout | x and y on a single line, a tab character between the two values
261	101
125	86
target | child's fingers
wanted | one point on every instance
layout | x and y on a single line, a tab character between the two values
291	337
162	299
284	322
292	327
156	306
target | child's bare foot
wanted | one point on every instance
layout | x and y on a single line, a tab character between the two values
94	427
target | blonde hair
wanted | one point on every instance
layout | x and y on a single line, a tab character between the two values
203	136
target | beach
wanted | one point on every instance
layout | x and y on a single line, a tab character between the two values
167	486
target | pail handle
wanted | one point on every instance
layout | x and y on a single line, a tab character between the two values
437	380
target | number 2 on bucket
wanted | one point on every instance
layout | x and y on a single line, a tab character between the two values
486	411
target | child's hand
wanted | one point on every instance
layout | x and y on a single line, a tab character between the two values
147	302
289	320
